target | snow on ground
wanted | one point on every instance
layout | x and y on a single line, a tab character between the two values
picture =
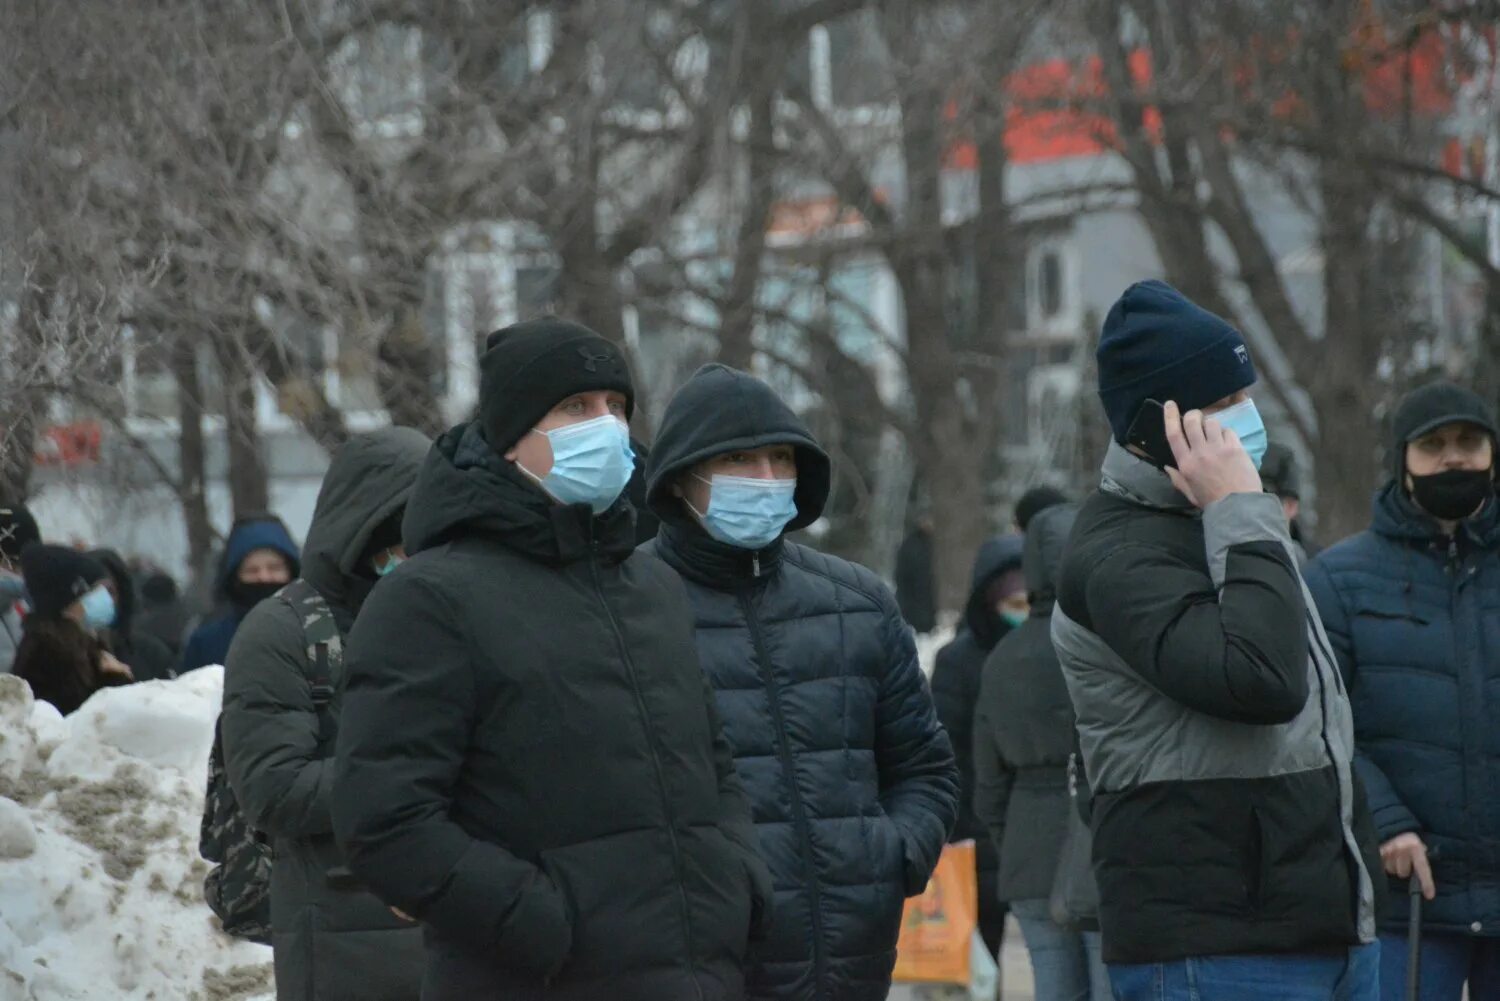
101	886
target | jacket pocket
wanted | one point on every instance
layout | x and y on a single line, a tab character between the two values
623	893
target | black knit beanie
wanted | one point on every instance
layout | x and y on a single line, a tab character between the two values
57	576
529	368
1429	408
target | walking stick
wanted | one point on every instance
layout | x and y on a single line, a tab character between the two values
1414	939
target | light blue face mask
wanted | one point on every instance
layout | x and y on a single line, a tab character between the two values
591	463
1013	618
12	588
99	608
1244	420
389	566
747	512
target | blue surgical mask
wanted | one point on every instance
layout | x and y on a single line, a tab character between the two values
591	463
99	608
746	512
1244	420
387	568
1013	618
12	588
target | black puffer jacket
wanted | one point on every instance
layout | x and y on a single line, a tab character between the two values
1023	729
851	778
528	758
332	939
955	689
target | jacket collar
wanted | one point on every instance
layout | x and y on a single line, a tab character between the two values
689	550
1134	479
1397	516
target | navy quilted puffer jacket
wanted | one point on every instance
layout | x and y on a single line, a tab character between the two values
1414	619
850	776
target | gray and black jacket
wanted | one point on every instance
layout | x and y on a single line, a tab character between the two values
1215	729
333	939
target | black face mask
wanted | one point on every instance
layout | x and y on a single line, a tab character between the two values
250	595
1453	494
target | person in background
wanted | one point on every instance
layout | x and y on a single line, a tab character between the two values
916	595
997	604
17	529
850	777
1035	501
60	654
332	939
1234	854
164	615
1278	472
1412	608
260	559
1022	737
529	761
146	656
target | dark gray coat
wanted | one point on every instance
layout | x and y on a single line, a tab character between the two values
333	940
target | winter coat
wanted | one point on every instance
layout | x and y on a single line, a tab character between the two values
528	759
209	643
850	777
955	691
1023	729
915	593
10	636
1215	729
1414	618
333	939
145	655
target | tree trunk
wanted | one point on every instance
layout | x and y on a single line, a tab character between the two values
249	480
406	375
192	459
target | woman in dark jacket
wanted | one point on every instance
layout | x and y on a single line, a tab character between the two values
147	657
60	655
1023	734
850	776
332	938
997	604
1412	610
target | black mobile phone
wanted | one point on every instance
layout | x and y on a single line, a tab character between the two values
1148	433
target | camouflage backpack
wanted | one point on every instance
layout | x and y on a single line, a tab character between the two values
238	888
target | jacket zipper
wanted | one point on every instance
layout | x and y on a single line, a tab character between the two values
799	809
661	780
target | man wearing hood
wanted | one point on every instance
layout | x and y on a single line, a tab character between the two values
1411	610
850	776
1232	847
332	938
529	762
260	559
997	604
1023	736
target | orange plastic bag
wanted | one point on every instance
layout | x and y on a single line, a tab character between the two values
938	926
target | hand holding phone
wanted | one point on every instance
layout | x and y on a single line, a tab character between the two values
1209	461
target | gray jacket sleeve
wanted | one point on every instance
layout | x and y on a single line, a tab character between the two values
271	728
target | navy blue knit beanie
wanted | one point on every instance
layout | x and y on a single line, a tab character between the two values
1159	345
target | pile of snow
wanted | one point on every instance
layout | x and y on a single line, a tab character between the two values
101	886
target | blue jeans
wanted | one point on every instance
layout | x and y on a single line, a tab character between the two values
1289	977
1064	964
1447	961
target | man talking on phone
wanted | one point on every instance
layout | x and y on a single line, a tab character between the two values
1234	853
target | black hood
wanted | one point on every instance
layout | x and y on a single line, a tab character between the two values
1046	542
997	556
464	488
252	532
369	480
720	410
119	572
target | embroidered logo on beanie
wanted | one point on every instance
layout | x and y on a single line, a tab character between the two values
592	358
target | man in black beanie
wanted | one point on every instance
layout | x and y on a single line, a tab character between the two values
528	762
1233	852
1410	608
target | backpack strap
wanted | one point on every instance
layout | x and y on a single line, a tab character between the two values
325	649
